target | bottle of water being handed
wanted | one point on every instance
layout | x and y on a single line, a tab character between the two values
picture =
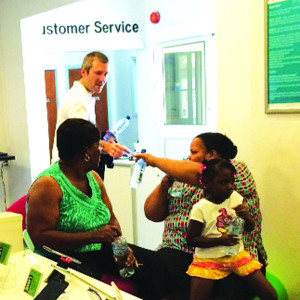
236	227
118	128
138	171
121	251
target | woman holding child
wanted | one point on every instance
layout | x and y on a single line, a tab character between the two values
175	210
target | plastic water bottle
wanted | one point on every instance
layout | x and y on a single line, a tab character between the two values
176	189
121	251
138	171
118	128
236	227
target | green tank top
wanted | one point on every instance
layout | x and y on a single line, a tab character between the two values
77	211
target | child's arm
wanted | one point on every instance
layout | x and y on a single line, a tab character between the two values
243	212
195	239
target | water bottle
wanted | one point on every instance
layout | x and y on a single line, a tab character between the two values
138	171
236	227
121	251
176	189
118	128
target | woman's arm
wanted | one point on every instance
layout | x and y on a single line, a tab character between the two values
157	204
43	211
195	239
181	170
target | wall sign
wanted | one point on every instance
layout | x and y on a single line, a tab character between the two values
97	27
283	56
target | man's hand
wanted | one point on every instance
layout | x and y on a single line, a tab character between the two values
113	149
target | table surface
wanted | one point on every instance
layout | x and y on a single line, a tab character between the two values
16	272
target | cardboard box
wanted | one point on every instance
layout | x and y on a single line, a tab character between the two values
11	230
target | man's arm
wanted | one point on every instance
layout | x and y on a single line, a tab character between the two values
113	149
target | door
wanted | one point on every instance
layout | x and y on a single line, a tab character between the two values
50	82
101	103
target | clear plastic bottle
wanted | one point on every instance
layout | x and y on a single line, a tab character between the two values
138	171
118	128
120	250
236	227
176	189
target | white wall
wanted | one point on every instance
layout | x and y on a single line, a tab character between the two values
188	22
13	116
269	144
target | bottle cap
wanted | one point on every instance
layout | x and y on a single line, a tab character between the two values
127	117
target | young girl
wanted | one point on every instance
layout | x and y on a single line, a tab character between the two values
208	232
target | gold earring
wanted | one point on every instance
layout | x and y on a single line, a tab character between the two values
87	158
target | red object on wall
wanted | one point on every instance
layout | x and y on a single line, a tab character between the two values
155	17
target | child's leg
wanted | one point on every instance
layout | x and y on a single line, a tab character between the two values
201	288
260	284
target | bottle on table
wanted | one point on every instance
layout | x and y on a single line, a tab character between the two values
118	128
138	171
121	251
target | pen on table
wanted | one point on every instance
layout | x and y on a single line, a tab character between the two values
61	254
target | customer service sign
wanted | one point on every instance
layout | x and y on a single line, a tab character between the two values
113	24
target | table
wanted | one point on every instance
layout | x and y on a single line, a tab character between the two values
13	277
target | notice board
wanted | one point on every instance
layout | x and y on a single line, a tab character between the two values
283	56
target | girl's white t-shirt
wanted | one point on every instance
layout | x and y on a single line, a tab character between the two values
216	219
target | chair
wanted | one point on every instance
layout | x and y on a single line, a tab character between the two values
278	286
19	207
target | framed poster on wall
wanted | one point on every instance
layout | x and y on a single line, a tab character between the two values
283	56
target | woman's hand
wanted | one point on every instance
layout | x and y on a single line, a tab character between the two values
167	182
131	259
148	158
107	234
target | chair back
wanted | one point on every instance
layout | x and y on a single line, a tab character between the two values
19	207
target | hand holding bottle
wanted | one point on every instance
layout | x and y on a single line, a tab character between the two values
138	171
243	212
148	158
118	128
124	257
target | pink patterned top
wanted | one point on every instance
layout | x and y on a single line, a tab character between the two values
174	235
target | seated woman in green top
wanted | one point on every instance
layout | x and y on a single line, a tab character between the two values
69	210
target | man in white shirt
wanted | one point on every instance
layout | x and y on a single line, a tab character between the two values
80	103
